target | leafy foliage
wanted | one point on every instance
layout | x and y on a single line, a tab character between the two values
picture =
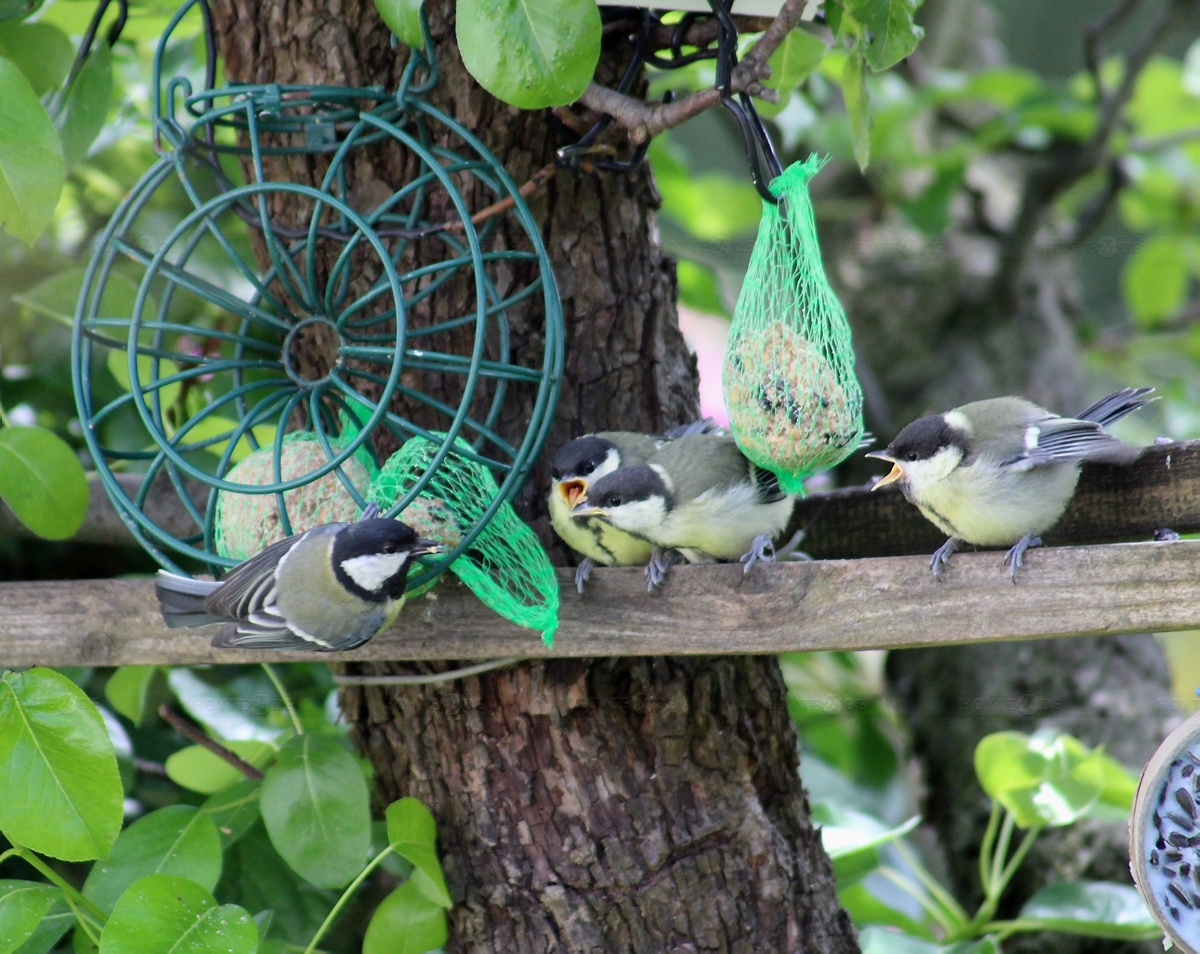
268	847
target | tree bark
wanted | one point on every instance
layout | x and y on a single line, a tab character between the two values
623	804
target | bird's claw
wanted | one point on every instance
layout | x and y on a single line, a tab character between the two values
941	557
583	572
656	569
1015	557
761	549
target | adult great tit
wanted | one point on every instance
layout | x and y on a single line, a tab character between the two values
1001	472
586	459
698	495
330	588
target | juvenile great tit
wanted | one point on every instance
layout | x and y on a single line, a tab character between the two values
699	496
1001	472
330	588
586	459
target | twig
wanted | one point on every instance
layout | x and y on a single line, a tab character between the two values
1071	163
644	122
496	208
1094	34
193	733
427	679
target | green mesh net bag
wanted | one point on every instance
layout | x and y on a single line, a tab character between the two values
795	406
246	523
505	566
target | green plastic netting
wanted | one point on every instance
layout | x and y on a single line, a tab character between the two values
506	567
246	523
794	404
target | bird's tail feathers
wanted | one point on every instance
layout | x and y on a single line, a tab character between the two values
182	600
1118	404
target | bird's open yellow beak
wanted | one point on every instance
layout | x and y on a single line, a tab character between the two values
572	491
896	473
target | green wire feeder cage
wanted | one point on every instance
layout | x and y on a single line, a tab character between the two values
191	365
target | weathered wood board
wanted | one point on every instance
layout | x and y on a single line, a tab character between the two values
834	604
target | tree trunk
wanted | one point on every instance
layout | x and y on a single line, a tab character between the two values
623	804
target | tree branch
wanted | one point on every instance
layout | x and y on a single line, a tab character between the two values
193	733
645	122
1072	163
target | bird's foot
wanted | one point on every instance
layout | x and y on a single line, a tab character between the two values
941	557
370	511
1164	534
761	549
656	569
583	572
1015	557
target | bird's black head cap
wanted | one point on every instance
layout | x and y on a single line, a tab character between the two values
628	484
368	538
578	458
924	437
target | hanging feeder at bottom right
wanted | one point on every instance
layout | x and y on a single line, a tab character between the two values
794	403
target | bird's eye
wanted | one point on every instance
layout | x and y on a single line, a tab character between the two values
588	466
555	473
389	548
912	455
614	500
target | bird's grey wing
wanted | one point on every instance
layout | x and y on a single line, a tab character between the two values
767	484
1060	440
251	585
267	629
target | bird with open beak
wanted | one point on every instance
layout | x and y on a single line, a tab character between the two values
1001	472
586	459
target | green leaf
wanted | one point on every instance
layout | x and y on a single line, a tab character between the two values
18	9
197	768
176	840
865	908
893	33
53	925
43	53
1043	779
403	17
930	211
42	481
264	881
858	107
63	794
1092	909
127	689
31	161
698	288
234	810
86	107
317	810
531	53
852	839
117	363
880	941
23	904
163	913
412	832
1155	280
406	922
798	55
57	296
221	709
216	426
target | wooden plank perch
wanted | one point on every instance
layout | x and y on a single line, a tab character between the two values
834	604
876	601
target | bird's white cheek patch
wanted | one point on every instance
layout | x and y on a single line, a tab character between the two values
373	570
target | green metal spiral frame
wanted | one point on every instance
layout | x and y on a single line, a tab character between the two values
321	116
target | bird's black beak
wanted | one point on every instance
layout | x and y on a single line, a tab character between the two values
425	547
896	473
